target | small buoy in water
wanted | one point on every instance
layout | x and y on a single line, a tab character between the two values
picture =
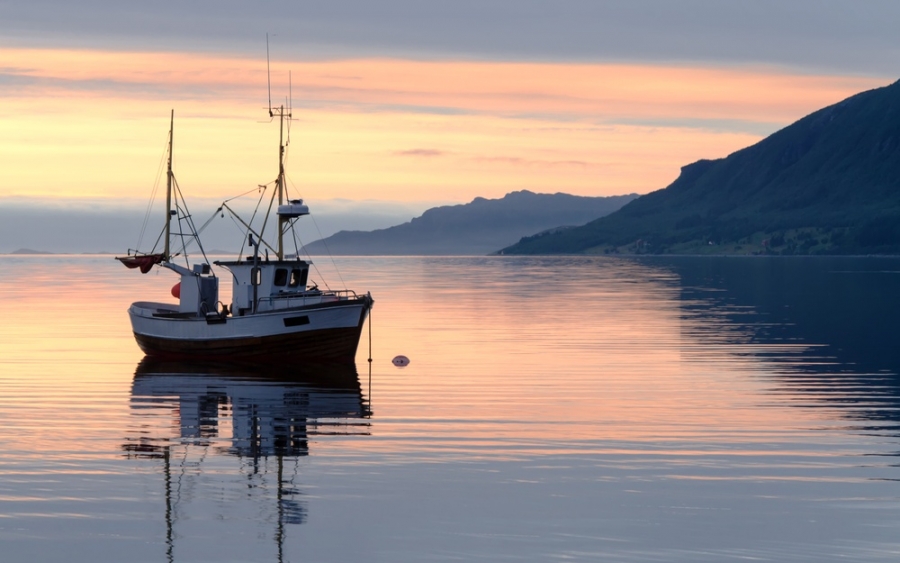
176	290
400	361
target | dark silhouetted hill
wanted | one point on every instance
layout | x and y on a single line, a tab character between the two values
827	184
479	227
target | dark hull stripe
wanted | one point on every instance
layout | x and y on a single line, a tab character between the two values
331	344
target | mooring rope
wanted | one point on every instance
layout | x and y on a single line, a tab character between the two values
370	352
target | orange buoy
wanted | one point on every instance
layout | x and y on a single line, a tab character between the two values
176	290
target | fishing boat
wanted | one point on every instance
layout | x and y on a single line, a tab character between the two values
275	312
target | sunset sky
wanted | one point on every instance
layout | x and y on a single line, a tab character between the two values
400	106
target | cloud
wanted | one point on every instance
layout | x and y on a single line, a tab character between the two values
601	93
420	152
833	36
460	129
517	161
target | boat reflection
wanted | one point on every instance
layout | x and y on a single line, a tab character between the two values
190	416
272	409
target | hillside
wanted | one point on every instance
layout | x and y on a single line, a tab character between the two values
827	184
479	227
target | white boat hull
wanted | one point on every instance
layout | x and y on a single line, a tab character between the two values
324	331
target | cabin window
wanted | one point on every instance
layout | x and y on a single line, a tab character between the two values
280	277
298	278
255	276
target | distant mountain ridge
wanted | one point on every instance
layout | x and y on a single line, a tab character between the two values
29	251
479	227
827	184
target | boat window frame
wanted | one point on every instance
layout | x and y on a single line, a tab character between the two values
299	277
281	277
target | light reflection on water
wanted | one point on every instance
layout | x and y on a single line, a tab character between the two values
657	409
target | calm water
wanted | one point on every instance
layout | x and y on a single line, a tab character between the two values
554	409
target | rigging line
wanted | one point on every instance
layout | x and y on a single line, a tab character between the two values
313	263
256	189
183	215
210	220
322	239
248	227
262	193
149	210
330	255
153	192
178	215
316	268
296	239
200	230
268	213
189	219
292	185
196	232
241	228
159	238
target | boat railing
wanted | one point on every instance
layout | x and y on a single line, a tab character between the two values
300	299
342	293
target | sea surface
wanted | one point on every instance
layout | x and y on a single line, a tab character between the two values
554	409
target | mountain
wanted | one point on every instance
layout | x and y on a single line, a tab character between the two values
479	227
827	184
28	251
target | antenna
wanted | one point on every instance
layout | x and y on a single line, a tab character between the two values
290	104
269	75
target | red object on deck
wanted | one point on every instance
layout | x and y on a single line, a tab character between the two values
176	290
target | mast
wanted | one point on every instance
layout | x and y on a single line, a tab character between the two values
281	219
169	176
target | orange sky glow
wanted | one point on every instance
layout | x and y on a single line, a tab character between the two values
92	124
